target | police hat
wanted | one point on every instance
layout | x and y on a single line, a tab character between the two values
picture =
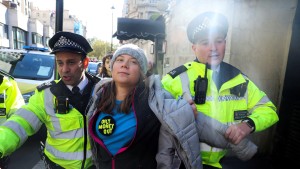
206	22
71	42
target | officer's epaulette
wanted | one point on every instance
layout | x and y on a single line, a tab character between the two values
177	71
45	85
245	76
3	73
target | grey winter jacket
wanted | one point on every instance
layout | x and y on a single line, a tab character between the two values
178	131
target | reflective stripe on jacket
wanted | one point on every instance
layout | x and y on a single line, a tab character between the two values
11	98
222	105
65	132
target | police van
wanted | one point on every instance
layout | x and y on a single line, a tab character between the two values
30	67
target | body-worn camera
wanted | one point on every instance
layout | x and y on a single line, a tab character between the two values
200	89
62	105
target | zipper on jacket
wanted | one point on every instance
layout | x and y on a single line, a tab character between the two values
84	141
113	163
85	123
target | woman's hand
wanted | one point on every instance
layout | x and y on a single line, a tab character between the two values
193	105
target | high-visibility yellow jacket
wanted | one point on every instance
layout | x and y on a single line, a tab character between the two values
10	97
237	99
66	144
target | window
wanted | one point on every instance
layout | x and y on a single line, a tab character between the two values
141	15
36	38
47	41
19	37
3	31
26	7
167	62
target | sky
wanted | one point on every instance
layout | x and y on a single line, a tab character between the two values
97	15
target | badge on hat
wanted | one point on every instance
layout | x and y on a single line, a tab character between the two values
71	42
63	41
107	126
204	22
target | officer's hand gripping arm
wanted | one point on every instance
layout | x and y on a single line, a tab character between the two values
212	132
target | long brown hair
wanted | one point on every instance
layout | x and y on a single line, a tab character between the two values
107	100
104	71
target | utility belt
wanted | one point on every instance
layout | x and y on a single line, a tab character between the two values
48	163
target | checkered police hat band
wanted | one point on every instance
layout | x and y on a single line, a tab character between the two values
205	24
64	42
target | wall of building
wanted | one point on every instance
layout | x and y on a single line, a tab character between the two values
4	42
257	42
3	11
260	41
17	19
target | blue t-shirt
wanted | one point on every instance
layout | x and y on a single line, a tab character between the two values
117	129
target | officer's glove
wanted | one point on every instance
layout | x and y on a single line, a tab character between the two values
212	132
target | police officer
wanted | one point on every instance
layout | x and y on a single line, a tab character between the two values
60	105
219	90
11	99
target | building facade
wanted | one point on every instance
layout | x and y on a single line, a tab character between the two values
148	10
22	23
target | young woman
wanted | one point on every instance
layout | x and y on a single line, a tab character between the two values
105	68
134	123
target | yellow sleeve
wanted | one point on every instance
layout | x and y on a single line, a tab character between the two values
15	99
263	111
